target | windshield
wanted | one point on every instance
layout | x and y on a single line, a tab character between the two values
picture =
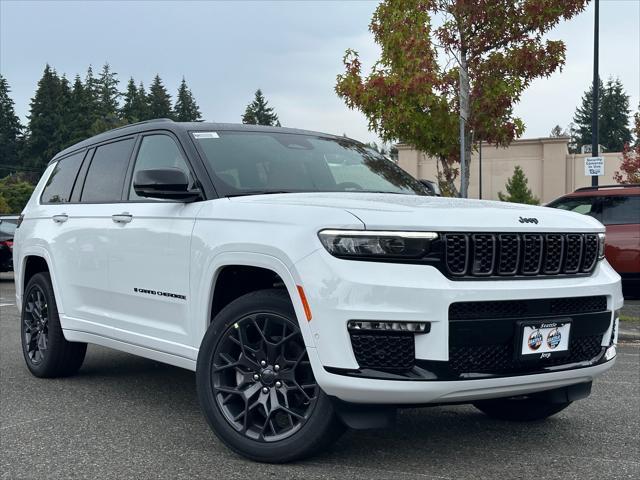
248	163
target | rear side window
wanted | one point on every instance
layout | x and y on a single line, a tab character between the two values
621	210
60	184
105	177
583	205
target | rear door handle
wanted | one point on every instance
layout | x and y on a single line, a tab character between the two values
61	218
122	217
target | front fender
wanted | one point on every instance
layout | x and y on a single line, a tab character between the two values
204	277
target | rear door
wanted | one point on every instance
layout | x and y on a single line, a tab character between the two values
57	228
81	250
149	256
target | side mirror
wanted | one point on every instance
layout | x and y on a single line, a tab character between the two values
164	183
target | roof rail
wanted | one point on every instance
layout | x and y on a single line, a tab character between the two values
153	120
619	185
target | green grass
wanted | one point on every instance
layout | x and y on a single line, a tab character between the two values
629	318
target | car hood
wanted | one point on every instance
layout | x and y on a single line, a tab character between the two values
383	211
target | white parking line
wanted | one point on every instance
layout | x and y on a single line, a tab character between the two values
6	304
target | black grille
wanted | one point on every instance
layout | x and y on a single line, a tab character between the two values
527	308
572	305
457	253
574	252
509	247
384	351
590	254
499	358
519	254
484	252
553	253
483	335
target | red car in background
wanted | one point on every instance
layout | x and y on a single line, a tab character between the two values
618	208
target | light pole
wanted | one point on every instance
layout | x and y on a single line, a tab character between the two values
480	169
596	86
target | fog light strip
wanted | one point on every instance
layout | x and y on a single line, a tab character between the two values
375	325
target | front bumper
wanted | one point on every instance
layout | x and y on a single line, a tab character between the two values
341	290
390	392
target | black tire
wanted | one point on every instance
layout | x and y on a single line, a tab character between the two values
46	352
520	409
229	376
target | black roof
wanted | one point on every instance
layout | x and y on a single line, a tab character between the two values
168	124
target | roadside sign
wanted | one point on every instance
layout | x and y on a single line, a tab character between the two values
593	166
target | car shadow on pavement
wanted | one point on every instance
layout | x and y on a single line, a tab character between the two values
441	430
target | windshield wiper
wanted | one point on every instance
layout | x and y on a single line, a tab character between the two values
257	192
378	191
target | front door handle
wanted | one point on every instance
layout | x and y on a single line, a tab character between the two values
61	218
122	217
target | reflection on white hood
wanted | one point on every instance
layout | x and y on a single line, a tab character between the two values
414	212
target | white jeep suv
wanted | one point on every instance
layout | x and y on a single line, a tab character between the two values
309	282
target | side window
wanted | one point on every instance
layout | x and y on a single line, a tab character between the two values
60	183
621	210
158	151
583	205
108	168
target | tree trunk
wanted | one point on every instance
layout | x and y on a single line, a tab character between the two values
465	154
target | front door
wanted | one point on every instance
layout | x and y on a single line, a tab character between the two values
149	257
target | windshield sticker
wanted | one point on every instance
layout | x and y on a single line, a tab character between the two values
199	135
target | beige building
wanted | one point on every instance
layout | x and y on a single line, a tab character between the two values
550	168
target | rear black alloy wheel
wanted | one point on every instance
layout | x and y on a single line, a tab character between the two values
46	352
262	379
255	383
35	325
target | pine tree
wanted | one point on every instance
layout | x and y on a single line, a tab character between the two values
64	132
557	131
159	100
91	88
186	109
10	131
80	112
107	91
259	113
130	97
141	106
107	94
613	116
582	117
517	189
45	121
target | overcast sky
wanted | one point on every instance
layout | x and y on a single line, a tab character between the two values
291	50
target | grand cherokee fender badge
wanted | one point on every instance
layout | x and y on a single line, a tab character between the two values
160	294
528	220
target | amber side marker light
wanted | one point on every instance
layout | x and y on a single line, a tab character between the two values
305	304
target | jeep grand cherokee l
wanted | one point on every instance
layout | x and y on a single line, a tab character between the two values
310	283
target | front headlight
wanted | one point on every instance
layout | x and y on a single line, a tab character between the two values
376	244
601	238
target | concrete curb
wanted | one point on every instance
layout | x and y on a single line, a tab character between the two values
629	332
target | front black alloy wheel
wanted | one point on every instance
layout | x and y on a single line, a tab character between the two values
262	379
255	382
46	352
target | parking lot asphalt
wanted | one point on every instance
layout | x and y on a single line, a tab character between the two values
126	417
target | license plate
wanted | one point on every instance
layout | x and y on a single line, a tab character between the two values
544	340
